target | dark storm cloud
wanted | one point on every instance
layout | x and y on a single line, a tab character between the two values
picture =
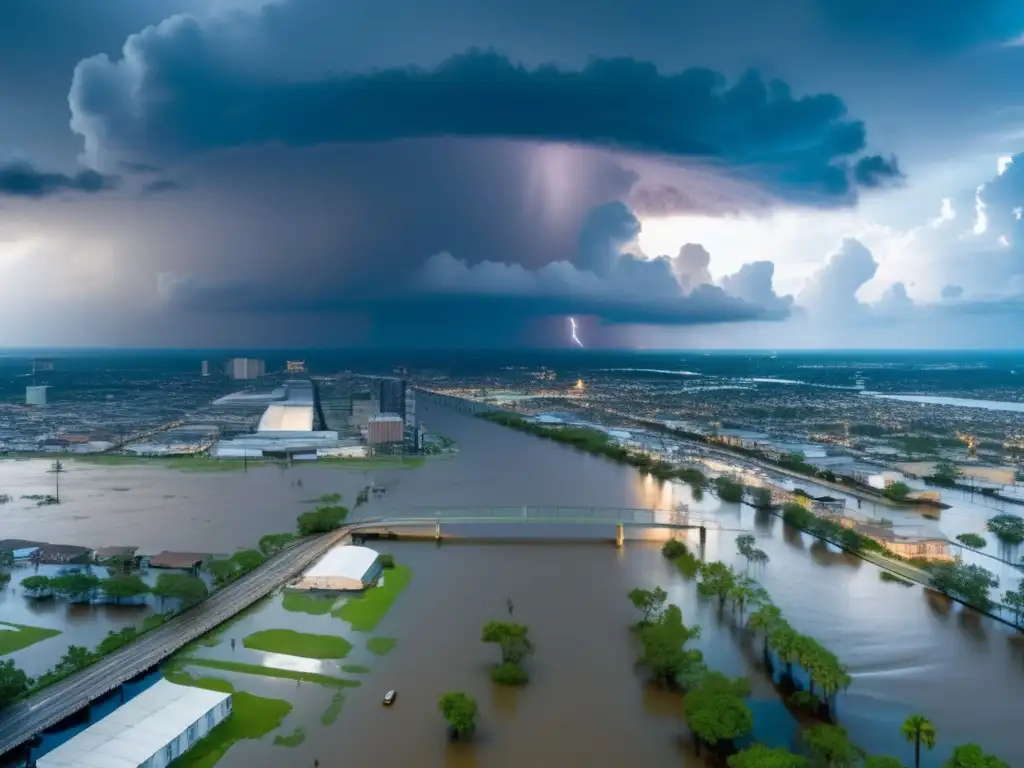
174	93
18	179
876	171
159	186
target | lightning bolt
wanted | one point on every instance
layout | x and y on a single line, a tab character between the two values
572	332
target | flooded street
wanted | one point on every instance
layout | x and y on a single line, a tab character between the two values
907	651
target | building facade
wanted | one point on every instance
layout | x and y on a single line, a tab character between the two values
35	395
391	396
385	428
244	368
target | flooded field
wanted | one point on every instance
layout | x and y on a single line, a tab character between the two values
908	652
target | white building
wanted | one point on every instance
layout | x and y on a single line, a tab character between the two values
287	417
245	368
883	480
149	731
35	395
344	567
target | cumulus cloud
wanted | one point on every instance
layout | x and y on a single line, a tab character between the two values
690	266
876	171
832	290
20	179
175	91
753	283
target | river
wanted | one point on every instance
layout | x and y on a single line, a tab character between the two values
907	652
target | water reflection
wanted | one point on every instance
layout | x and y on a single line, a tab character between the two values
295	663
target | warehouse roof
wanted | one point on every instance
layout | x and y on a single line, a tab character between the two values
345	560
286	417
136	731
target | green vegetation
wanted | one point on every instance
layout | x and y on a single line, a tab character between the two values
945	475
717	713
124	586
273	543
365	612
828	530
795	462
830	745
972	540
285	674
674	548
918	444
897	491
745	546
1009	529
761	498
1014	600
515	644
355	669
663	654
321	520
386	561
459	711
333	709
650	602
293	739
13	683
293	643
973	756
14	637
381	646
918	730
882	761
187	590
969	583
252	717
328	499
298	601
728	489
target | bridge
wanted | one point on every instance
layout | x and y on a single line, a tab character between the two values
23	720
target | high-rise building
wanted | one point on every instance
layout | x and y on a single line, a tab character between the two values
385	428
206	367
244	368
410	407
35	395
391	396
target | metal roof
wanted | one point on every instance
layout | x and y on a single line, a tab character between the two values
287	417
136	731
347	561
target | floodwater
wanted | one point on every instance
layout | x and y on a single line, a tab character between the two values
908	651
960	402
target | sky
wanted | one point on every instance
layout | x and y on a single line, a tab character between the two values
671	174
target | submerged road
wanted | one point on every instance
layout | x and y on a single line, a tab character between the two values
23	720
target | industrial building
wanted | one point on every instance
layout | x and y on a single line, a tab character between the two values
149	731
345	567
391	396
385	428
35	395
244	368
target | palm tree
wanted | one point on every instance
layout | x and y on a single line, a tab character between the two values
833	678
919	730
783	640
763	619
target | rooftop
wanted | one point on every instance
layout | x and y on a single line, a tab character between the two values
131	734
345	560
287	417
177	559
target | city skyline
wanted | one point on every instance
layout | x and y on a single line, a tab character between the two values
257	173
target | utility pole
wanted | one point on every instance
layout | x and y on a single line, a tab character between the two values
57	469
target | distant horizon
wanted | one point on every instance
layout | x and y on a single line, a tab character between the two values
575	351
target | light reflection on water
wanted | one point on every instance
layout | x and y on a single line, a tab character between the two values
296	663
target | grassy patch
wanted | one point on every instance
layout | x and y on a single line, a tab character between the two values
304	602
294	643
284	674
14	637
365	612
293	739
333	709
252	717
381	646
355	669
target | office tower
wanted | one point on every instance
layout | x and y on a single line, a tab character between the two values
206	367
244	368
35	395
391	396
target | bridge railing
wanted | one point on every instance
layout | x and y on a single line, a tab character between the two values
611	515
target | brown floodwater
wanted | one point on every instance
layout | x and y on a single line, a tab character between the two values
908	651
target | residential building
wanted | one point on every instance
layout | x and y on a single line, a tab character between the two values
35	395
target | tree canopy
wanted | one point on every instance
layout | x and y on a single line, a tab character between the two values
459	711
273	543
760	756
189	590
13	683
122	586
512	638
973	756
715	710
663	652
321	520
972	540
969	583
716	579
832	746
1007	528
650	602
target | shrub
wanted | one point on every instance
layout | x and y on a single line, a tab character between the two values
509	674
674	548
386	561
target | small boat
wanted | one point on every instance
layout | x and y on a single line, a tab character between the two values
389	698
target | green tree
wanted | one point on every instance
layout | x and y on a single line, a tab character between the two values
784	640
760	756
972	540
75	658
745	544
37	586
674	548
970	583
918	730
1007	528
650	602
716	579
512	638
123	587
762	620
188	590
745	591
77	585
273	543
115	640
882	761
831	745
728	489
459	711
247	559
663	653
1014	599
761	498
716	712
973	756
13	683
321	520
897	491
222	569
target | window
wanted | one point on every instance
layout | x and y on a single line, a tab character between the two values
168	753
192	731
209	720
227	705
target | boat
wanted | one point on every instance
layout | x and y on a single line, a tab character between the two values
389	698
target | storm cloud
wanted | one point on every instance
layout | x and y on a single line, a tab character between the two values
20	179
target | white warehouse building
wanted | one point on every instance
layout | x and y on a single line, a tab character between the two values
150	731
344	567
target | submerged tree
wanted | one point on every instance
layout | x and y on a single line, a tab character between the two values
459	711
716	579
831	745
512	638
760	756
973	756
650	602
664	654
716	711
